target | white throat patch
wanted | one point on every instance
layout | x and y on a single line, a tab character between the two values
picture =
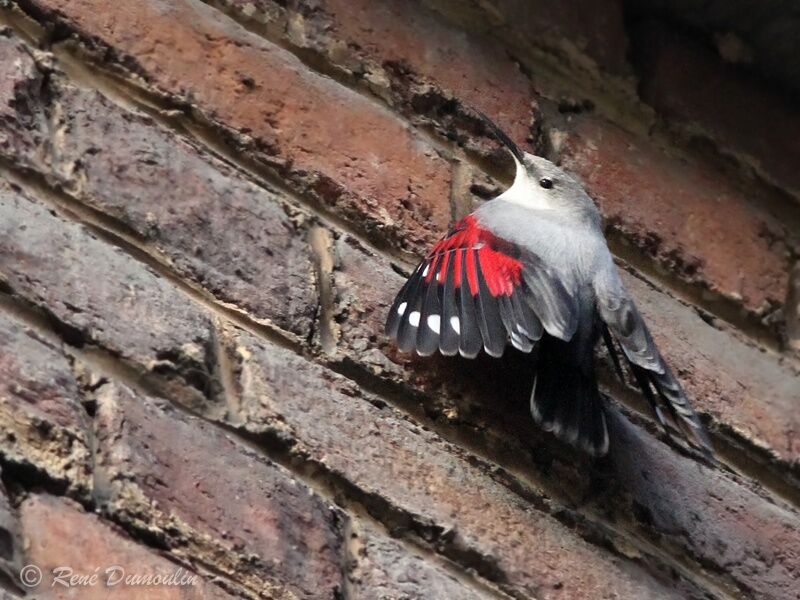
526	191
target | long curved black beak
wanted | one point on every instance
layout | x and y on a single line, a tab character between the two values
502	137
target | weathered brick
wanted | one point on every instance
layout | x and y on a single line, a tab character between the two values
753	541
216	228
43	425
579	32
686	82
691	219
364	286
98	294
713	526
391	460
383	568
409	55
23	125
331	142
471	69
65	541
212	500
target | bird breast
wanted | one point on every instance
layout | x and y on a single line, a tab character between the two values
561	242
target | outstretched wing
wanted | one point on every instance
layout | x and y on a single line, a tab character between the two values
477	290
652	374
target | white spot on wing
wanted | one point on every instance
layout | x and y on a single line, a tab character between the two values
413	319
518	342
434	322
537	415
455	324
493	353
401	310
425	272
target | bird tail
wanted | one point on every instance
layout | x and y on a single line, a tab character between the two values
669	394
565	398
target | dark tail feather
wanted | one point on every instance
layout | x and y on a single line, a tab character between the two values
666	389
643	381
674	398
566	401
612	352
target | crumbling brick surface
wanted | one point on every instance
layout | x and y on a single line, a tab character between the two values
54	527
206	208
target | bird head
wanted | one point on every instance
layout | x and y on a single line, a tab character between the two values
542	185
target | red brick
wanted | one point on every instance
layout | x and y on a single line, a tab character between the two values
472	69
43	425
689	84
391	460
364	286
220	504
350	152
582	33
99	294
23	125
383	568
691	219
702	514
409	55
714	527
216	229
60	535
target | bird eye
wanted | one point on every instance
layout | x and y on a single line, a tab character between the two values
546	183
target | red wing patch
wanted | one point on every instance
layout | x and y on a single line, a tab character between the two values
468	293
498	260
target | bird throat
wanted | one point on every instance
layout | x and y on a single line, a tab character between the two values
526	192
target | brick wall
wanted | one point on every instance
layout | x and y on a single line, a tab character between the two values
205	210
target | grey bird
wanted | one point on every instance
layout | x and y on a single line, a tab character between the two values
532	268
